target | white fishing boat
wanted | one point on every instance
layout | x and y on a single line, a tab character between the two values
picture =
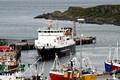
11	76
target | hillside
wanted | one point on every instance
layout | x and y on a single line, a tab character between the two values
102	14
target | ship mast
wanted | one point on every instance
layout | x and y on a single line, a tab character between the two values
117	52
50	23
74	29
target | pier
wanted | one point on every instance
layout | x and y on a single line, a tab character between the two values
86	40
25	44
28	44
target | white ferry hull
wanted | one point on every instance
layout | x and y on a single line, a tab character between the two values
46	53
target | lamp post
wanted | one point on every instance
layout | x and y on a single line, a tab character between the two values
81	35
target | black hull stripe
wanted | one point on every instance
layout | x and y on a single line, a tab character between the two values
45	53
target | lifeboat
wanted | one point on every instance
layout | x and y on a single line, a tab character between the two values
68	32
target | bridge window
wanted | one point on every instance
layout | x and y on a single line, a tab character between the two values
67	38
51	31
45	31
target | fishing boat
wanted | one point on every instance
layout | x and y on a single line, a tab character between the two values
11	70
53	40
70	72
107	62
112	63
11	76
37	73
6	73
11	66
8	62
115	74
7	48
11	50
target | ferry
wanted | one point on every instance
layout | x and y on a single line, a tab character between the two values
53	40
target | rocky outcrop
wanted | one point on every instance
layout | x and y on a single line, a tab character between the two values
103	14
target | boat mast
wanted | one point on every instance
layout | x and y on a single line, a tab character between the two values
116	55
56	64
109	58
81	35
31	66
117	52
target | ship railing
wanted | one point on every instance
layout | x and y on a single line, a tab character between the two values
53	28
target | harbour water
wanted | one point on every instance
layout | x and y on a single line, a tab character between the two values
17	22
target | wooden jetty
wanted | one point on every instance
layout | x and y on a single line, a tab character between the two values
86	40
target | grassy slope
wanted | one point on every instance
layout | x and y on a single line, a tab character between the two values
111	12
